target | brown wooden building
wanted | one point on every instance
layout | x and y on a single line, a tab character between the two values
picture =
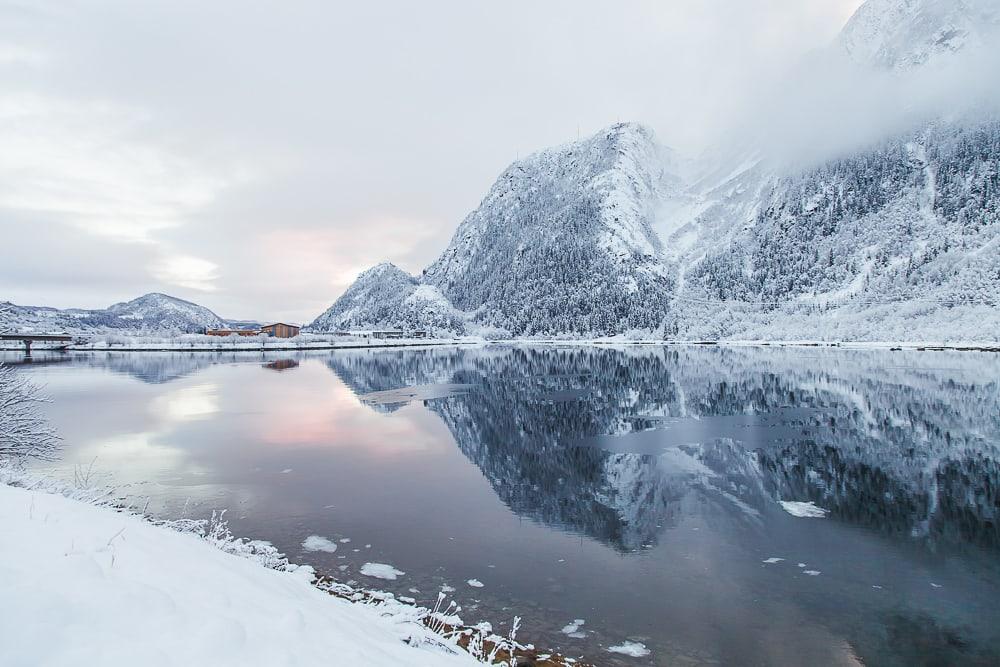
280	330
231	332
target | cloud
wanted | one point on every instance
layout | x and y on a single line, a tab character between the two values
85	164
186	271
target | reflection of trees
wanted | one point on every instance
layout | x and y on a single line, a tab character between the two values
919	639
907	448
157	367
367	371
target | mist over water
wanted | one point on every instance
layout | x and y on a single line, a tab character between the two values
635	488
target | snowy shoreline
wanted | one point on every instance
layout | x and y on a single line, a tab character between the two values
238	347
846	345
108	574
918	346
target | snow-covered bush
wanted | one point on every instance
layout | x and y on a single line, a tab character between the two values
24	431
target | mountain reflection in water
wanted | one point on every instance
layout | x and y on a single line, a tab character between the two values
909	450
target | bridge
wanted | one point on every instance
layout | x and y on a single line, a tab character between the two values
29	338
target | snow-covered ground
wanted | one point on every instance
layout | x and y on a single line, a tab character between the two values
87	585
198	342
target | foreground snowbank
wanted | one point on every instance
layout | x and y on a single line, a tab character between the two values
85	585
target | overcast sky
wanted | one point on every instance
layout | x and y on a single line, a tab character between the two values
254	157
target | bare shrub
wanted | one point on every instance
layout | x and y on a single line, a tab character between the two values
24	431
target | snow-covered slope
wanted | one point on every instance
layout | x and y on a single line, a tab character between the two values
901	34
894	240
897	242
150	313
563	241
91	586
159	311
386	297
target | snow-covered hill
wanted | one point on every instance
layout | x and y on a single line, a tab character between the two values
150	313
564	241
898	242
386	297
161	312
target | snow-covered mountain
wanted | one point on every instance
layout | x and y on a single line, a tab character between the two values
162	312
902	34
386	297
563	242
897	242
150	313
893	240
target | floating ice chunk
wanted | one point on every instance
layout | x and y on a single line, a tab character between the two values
318	543
634	649
475	583
803	510
286	471
447	589
812	573
381	571
802	564
345	540
573	629
772	560
935	585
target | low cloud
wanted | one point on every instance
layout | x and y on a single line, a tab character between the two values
188	272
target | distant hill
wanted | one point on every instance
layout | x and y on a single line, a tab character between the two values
151	313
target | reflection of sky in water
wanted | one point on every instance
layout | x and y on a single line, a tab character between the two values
193	402
636	489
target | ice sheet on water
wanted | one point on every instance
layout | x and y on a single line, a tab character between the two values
634	649
381	571
573	629
417	393
805	510
318	543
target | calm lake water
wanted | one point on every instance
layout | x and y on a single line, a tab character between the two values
637	489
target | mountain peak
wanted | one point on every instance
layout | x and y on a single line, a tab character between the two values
383	268
565	230
903	34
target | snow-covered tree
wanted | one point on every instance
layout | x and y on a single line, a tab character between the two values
24	431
